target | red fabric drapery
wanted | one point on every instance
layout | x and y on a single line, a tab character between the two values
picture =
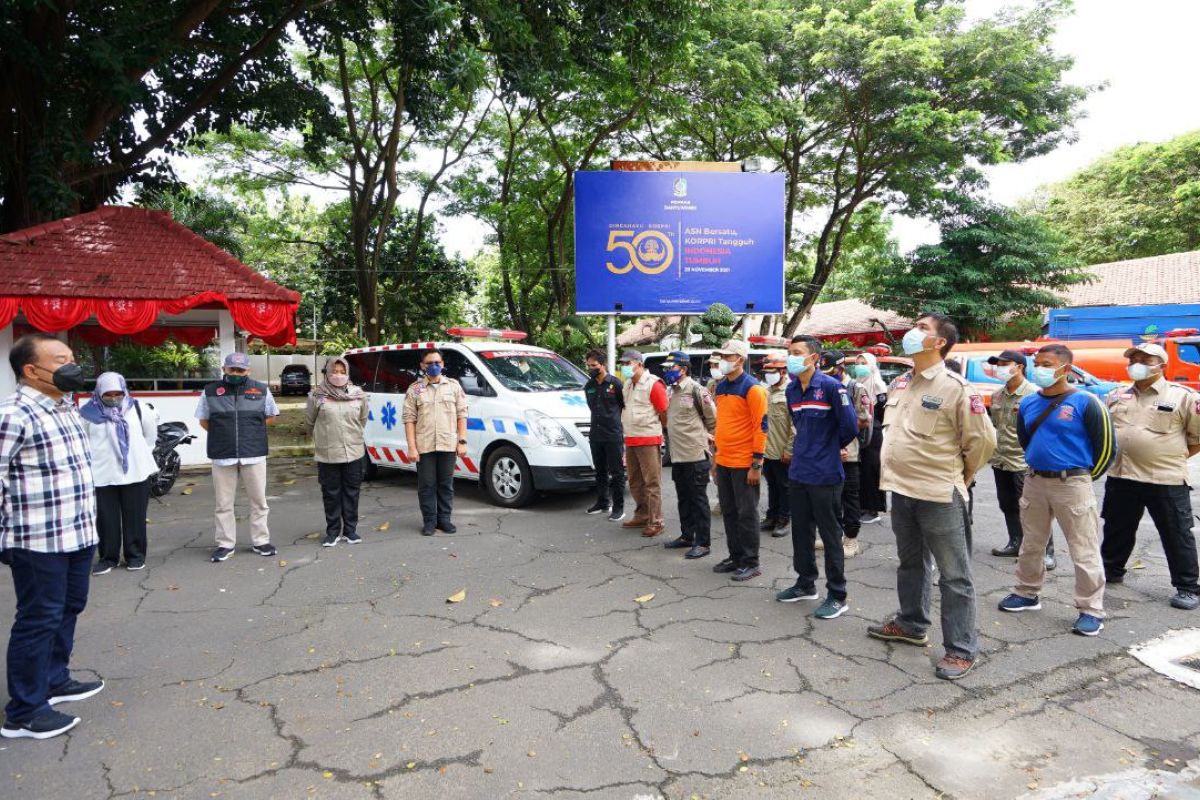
9	306
126	316
54	314
268	321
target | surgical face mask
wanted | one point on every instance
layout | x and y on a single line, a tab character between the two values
236	380
672	376
728	367
859	371
627	371
1005	373
714	372
339	379
914	341
797	365
112	402
772	378
1045	377
433	370
1140	372
67	378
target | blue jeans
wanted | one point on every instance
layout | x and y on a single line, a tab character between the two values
52	590
929	532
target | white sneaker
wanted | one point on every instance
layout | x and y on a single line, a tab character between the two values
849	547
820	544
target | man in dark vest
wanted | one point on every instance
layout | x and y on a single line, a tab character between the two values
236	412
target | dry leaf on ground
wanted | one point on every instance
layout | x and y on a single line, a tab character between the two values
457	597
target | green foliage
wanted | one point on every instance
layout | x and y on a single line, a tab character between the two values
715	325
1138	201
169	360
992	263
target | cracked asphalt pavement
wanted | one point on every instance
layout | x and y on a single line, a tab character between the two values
345	673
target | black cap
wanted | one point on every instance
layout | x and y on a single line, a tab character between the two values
831	359
1015	356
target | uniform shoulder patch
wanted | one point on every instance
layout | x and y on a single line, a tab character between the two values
977	405
902	382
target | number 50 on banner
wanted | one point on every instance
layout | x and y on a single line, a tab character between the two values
651	252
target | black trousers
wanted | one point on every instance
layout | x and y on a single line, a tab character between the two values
873	500
609	461
121	520
775	474
816	507
341	485
1171	509
850	511
435	486
691	492
739	512
1009	487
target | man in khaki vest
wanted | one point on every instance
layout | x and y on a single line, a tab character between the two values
643	420
778	455
691	421
1158	430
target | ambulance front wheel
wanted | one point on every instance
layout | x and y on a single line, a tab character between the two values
507	478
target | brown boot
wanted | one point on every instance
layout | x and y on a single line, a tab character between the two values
654	530
635	523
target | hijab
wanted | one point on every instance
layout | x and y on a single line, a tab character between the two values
327	390
114	418
873	383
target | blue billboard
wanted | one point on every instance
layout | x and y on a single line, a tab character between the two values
677	242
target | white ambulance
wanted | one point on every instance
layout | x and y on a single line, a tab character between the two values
528	419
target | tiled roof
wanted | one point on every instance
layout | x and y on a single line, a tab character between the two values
1157	280
849	316
117	252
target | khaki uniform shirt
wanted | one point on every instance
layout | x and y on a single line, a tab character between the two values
864	409
435	408
1154	429
780	430
337	426
1009	455
687	430
936	435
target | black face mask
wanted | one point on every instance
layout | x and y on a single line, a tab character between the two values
67	378
595	373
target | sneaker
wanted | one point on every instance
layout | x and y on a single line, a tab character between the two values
447	527
779	532
221	554
265	549
1049	562
870	519
134	566
617	515
745	574
330	540
697	552
782	525
102	568
427	529
832	608
891	632
352	538
71	691
1010	550
725	565
1017	603
678	544
767	524
1185	600
43	726
951	668
849	547
794	594
597	508
1087	625
1114	579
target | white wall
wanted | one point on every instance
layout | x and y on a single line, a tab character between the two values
180	407
258	366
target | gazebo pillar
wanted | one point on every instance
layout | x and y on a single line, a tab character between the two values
8	380
225	333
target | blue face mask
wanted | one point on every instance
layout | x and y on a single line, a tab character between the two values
797	365
1045	376
433	370
672	376
627	372
913	342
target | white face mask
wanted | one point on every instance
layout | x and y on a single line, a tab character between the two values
771	378
728	367
715	372
1140	372
1005	373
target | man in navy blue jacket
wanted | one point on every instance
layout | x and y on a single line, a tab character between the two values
825	422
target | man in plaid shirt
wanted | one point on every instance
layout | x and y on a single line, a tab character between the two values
47	534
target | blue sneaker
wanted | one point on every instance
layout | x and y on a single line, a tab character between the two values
1015	602
1087	625
832	608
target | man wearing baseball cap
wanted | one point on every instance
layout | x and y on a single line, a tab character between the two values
236	412
1158	430
778	455
741	439
1008	460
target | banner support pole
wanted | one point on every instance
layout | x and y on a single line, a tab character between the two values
612	342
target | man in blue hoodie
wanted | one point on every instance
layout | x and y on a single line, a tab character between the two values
825	422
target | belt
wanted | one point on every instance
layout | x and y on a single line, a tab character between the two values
1061	474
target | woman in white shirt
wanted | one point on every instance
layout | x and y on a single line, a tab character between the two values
122	434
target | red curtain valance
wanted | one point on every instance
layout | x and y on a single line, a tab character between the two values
273	322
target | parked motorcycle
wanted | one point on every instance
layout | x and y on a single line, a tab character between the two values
170	436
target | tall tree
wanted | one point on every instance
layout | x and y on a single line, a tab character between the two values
991	265
1142	200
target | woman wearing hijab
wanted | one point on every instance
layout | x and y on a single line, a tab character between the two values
874	502
337	414
122	434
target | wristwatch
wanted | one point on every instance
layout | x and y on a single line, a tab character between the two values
755	465
462	441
